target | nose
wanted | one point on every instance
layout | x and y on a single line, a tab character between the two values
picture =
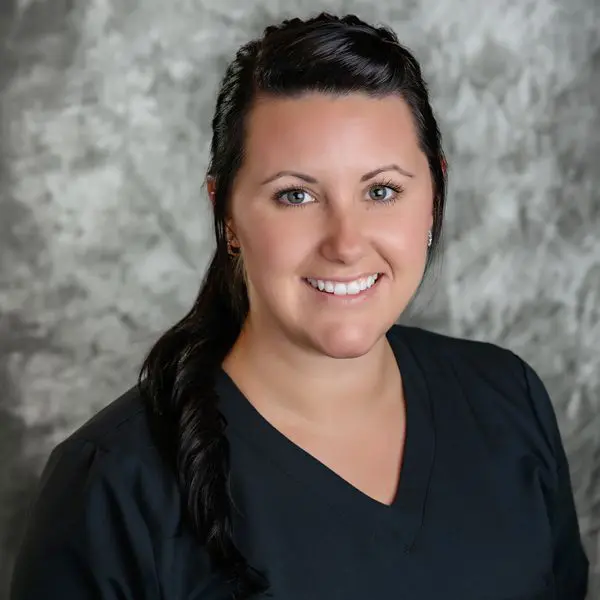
344	240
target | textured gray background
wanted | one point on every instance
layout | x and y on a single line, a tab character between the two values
104	229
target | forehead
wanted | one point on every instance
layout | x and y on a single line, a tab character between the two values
322	126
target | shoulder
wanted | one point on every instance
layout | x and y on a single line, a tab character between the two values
105	501
122	432
114	458
469	360
441	346
486	371
121	426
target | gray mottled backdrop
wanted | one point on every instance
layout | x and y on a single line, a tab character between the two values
104	225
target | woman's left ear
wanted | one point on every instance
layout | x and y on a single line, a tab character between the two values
211	187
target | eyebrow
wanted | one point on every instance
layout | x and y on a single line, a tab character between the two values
365	177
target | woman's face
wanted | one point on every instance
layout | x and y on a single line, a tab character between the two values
333	192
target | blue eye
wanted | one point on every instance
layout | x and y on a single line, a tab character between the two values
393	191
292	197
295	196
381	195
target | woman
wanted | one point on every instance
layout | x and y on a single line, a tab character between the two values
286	439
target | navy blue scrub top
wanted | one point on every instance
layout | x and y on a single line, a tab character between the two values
484	508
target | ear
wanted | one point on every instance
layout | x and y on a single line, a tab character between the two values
212	188
444	166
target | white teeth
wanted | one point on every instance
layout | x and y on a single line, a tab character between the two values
351	288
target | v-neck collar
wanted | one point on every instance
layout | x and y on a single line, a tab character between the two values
406	512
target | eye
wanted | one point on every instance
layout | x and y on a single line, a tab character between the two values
293	196
385	192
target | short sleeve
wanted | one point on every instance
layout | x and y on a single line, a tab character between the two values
86	536
571	564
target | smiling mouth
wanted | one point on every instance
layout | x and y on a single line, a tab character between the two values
346	288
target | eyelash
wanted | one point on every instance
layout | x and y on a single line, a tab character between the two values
386	183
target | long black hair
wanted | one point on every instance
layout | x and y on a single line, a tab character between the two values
328	54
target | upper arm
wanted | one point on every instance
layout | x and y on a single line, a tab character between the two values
86	537
570	562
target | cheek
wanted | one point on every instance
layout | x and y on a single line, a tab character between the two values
274	247
403	236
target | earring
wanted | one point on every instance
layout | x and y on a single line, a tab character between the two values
233	250
429	238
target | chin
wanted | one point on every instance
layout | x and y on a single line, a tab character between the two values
346	341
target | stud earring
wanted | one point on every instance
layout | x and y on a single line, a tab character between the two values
429	238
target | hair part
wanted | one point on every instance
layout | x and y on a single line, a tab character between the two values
325	54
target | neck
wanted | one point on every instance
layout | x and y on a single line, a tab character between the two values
299	386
